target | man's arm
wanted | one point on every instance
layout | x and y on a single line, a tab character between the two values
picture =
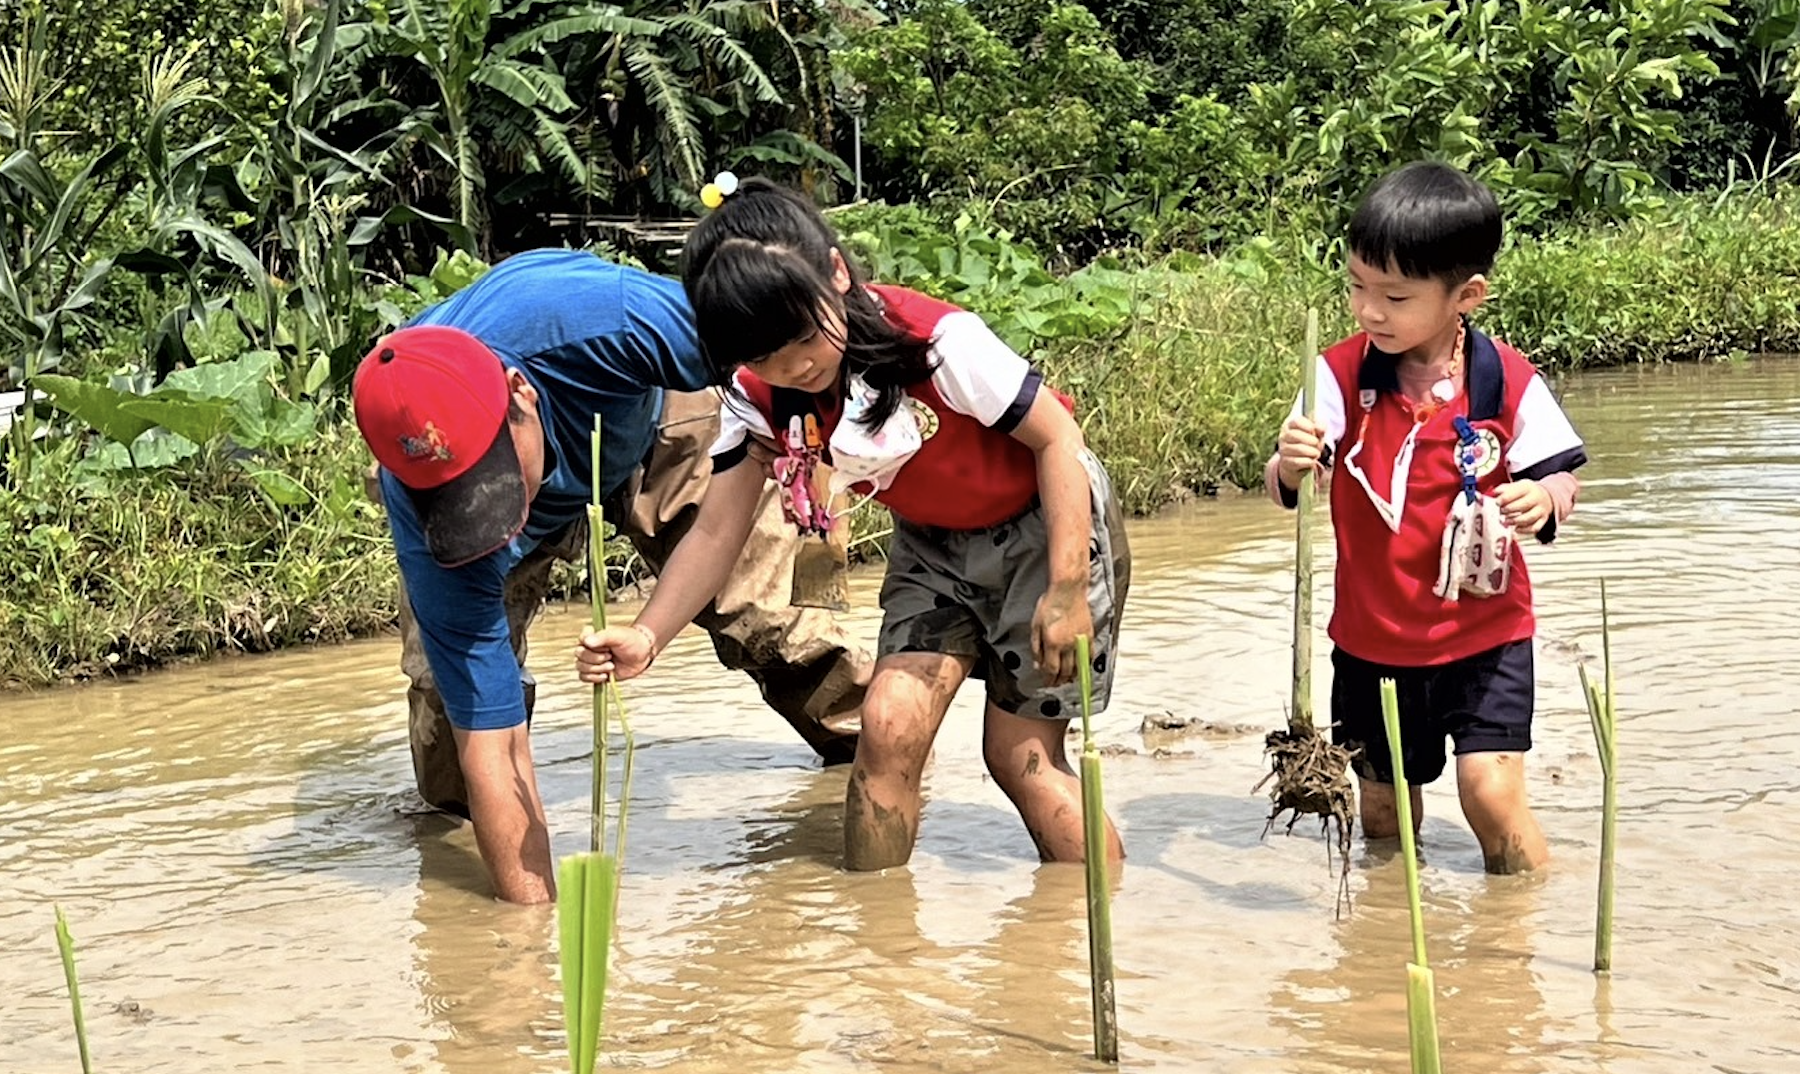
463	628
508	815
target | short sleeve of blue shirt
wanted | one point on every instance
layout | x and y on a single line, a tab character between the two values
461	616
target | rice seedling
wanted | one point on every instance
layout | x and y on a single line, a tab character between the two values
587	897
1603	717
1421	988
65	943
1099	888
1311	774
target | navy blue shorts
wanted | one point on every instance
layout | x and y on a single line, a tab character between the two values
1482	703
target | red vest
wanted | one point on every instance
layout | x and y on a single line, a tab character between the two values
1385	609
966	476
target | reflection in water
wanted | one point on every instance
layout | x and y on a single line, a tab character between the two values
250	889
1351	1012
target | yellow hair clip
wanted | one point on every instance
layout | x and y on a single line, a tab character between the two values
723	186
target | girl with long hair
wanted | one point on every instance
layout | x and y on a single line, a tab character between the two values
1008	541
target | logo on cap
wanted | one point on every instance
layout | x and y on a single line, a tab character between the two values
429	444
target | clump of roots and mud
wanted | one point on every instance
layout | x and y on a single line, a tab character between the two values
1312	779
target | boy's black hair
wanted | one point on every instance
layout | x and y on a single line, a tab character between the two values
758	273
1428	221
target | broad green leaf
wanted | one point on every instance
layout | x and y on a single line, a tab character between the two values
527	87
317	373
280	488
607	22
97	405
156	448
239	378
291	423
201	421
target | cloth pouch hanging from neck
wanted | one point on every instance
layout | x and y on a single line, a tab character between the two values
1476	557
862	456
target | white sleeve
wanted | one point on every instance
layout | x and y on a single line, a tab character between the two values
737	420
1543	440
979	375
1329	408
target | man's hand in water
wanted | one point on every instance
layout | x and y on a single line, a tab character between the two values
615	653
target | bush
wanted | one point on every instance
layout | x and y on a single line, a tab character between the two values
1702	280
111	575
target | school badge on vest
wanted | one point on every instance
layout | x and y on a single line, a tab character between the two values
925	416
1484	453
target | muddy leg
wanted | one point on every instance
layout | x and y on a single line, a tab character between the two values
1492	789
1027	759
1381	813
904	707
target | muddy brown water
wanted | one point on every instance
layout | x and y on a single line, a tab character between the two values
234	846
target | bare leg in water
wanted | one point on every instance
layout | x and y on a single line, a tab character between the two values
1027	758
902	711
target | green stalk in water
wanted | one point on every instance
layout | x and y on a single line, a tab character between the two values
1099	886
1421	989
1603	717
65	943
1311	774
1300	715
587	897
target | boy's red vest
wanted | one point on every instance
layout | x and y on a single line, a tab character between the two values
1385	609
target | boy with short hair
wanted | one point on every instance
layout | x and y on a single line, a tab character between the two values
1441	446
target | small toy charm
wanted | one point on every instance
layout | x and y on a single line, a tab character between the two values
795	470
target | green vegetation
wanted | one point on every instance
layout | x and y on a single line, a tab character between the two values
1098	878
65	945
208	210
587	895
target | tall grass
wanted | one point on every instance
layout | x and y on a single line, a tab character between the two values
149	566
1703	280
1190	394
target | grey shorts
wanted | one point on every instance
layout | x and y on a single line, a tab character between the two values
973	593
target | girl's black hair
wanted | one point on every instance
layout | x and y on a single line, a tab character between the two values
1428	220
758	273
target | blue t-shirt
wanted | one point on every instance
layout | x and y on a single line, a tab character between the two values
592	337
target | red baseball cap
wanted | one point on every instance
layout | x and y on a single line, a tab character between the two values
431	402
